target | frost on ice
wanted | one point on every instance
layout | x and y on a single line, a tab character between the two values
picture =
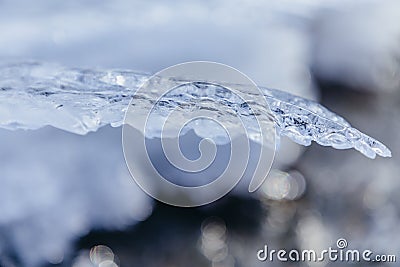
33	95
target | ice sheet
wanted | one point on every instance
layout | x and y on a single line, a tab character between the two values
34	95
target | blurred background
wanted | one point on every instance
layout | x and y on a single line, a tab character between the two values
68	200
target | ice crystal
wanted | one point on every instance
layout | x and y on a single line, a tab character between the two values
33	95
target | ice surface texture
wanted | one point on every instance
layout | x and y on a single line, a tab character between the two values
33	95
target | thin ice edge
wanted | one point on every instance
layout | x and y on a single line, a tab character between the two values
87	99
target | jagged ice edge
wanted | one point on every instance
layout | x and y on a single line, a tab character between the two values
304	121
83	100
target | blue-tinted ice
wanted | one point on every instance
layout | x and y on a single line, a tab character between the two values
33	95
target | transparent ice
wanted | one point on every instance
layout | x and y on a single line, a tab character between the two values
33	95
